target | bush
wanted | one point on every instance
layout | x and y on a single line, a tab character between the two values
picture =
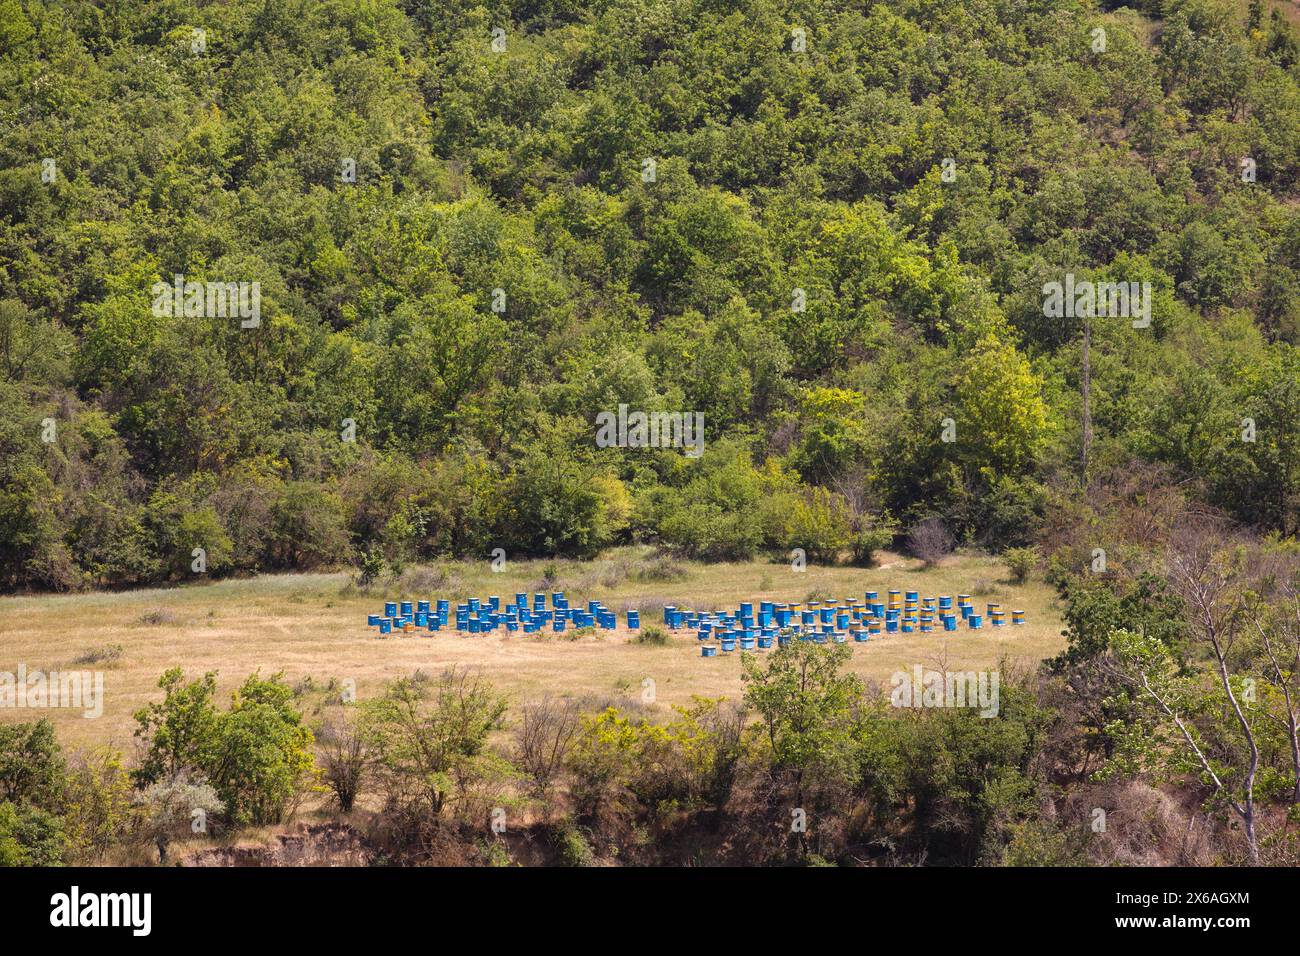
872	534
713	515
263	762
821	524
709	532
573	848
429	739
344	757
30	836
97	804
930	541
257	755
652	635
622	762
32	768
107	654
662	567
1020	563
171	807
543	740
373	567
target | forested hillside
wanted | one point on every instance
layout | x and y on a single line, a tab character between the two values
825	226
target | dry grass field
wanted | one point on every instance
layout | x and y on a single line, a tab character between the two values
314	626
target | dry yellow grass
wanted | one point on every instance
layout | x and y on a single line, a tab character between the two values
314	625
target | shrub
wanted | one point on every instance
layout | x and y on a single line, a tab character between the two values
930	541
155	617
97	804
429	739
707	531
344	757
180	731
107	654
804	704
560	501
1020	563
872	534
609	749
821	524
710	734
30	836
32	768
653	635
662	567
621	761
543	740
263	761
257	755
373	567
572	846
168	809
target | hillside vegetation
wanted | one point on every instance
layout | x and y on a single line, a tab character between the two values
836	256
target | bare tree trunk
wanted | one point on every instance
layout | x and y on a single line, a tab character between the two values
1247	809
